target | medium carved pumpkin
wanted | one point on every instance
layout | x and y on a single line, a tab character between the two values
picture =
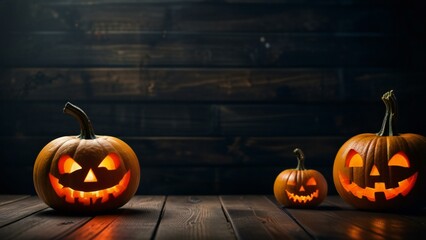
382	171
300	187
86	173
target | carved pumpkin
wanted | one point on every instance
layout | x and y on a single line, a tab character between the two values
383	170
86	173
300	187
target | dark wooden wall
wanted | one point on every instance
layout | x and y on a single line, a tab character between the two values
212	95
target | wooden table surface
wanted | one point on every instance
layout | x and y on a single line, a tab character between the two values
206	217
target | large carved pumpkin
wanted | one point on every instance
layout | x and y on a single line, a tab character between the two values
384	170
86	173
300	187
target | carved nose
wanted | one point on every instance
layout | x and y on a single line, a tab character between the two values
374	171
302	189
90	177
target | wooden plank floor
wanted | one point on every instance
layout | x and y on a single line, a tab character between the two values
206	217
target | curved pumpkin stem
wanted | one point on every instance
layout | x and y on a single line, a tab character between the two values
389	120
86	127
300	159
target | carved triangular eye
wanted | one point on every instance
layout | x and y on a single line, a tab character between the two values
399	160
311	182
354	159
110	162
67	165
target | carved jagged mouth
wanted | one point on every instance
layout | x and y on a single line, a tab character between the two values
404	187
87	198
302	198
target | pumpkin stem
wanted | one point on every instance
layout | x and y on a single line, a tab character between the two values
86	127
300	159
389	120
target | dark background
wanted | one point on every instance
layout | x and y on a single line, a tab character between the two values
213	96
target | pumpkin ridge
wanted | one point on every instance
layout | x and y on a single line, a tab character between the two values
68	192
98	140
40	166
59	150
371	150
107	140
293	187
392	174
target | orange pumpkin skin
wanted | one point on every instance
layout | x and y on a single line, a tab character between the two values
300	187
390	187
382	172
104	175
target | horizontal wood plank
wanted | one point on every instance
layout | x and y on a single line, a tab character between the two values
133	119
19	209
200	50
47	224
125	119
213	217
202	17
6	199
255	217
171	84
299	2
136	220
325	221
294	85
409	224
193	217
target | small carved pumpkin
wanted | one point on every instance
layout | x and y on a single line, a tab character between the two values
382	171
86	173
300	187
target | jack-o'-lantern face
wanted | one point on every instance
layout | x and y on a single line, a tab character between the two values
380	173
378	181
89	182
86	173
384	170
302	193
300	187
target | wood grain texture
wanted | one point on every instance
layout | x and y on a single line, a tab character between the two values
213	217
6	199
19	209
210	94
200	50
255	217
325	221
194	217
46	224
207	120
289	85
138	219
135	220
171	84
107	16
407	224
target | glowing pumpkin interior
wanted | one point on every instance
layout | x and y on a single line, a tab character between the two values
302	194
355	160
78	184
